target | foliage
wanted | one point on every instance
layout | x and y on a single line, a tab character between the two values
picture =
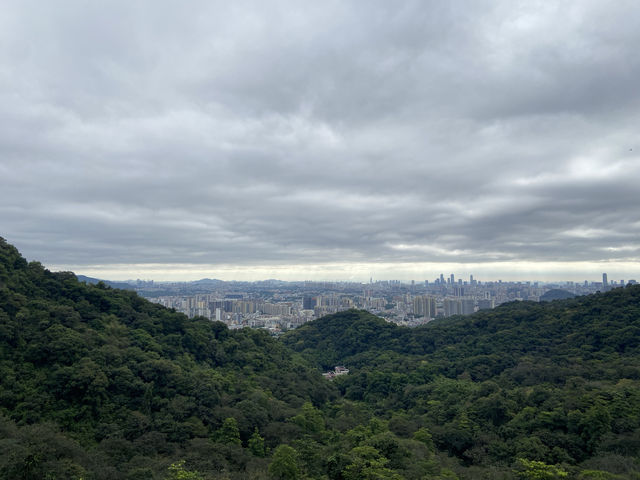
284	465
533	470
229	433
177	471
556	383
131	385
97	383
256	444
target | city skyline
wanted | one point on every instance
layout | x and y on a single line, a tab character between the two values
277	305
322	141
352	273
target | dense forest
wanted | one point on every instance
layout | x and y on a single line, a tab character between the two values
98	383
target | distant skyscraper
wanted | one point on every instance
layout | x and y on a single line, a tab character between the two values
309	302
468	306
424	306
485	304
604	280
452	307
442	279
452	279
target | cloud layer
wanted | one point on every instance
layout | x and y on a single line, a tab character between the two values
302	133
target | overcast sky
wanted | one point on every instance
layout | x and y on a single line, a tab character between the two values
322	140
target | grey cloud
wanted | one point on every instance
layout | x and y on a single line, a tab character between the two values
308	133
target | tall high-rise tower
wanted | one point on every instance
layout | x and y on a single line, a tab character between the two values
604	280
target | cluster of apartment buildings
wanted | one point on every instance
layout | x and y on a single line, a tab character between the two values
278	306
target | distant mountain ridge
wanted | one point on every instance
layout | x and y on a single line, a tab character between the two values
556	294
112	284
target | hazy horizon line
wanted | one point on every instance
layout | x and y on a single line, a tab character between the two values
361	272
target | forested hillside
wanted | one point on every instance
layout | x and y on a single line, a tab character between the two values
557	382
97	383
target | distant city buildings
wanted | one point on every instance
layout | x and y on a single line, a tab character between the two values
425	306
277	306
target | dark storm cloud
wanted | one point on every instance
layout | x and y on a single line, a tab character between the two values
291	132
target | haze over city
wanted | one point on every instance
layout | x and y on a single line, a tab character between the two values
322	141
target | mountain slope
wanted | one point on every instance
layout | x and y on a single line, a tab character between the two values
576	330
555	382
126	380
